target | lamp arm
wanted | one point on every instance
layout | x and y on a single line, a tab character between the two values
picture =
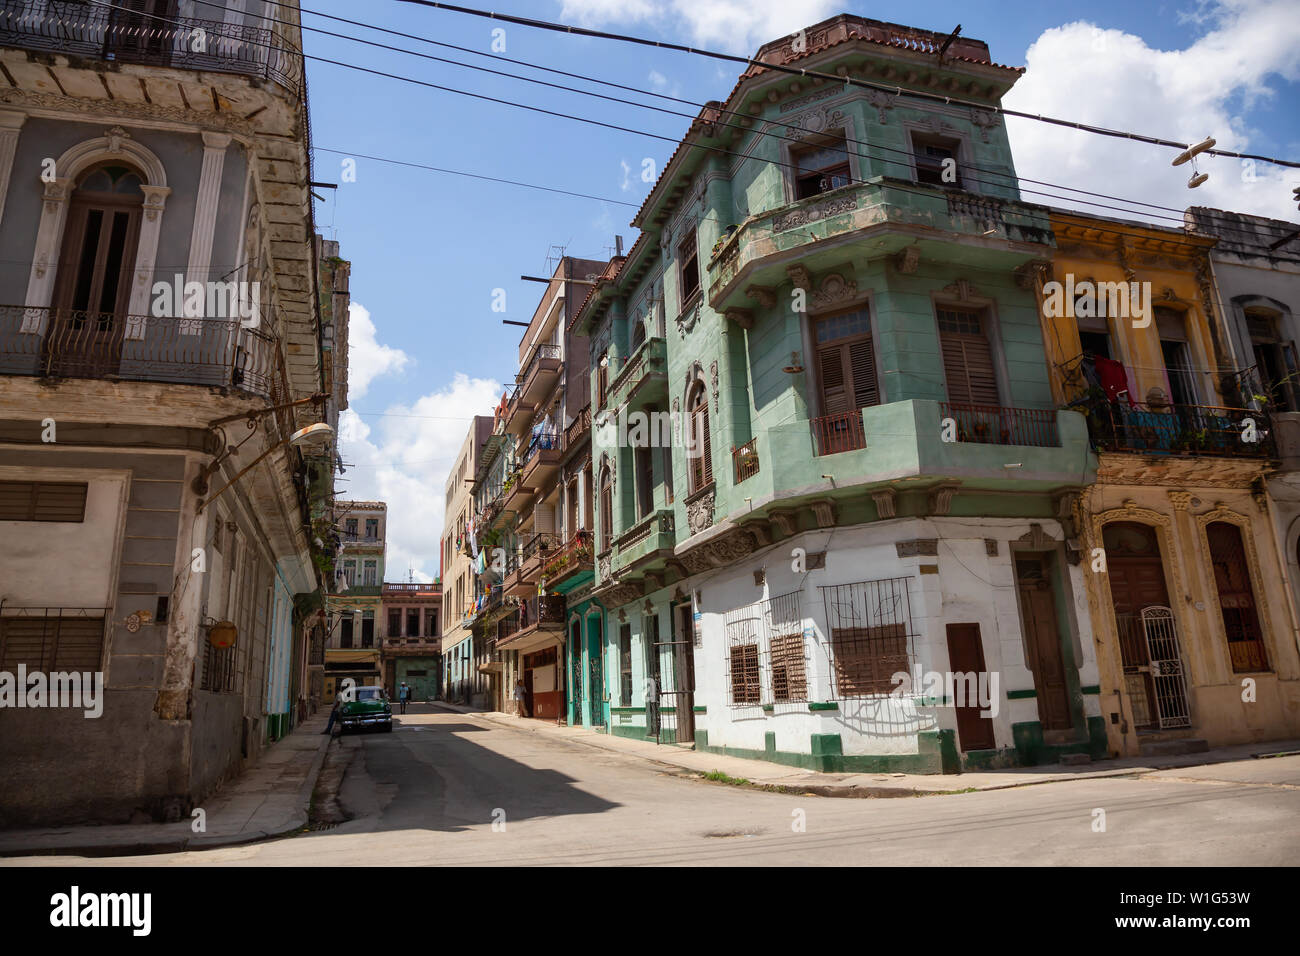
251	465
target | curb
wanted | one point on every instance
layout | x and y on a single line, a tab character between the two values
195	843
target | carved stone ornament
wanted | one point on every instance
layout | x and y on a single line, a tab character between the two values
886	502
742	317
1036	537
602	567
941	498
115	137
120	109
917	547
764	294
907	259
699	512
824	511
985	120
688	319
961	290
713	376
1181	500
761	531
1028	274
814	121
800	276
814	213
881	101
786	521
835	291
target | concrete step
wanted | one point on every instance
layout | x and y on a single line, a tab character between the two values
1173	748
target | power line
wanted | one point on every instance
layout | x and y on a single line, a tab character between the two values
587	120
866	84
866	147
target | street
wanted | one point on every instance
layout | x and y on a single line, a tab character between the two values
430	792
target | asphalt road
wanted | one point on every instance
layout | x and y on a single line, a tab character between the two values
451	789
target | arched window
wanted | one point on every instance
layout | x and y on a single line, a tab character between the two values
699	448
93	284
606	510
1236	598
638	334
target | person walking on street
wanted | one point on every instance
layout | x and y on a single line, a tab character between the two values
404	695
521	698
334	713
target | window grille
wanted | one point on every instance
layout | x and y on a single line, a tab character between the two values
51	639
871	635
766	657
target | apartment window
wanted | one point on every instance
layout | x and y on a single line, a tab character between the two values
1174	349
870	628
936	162
372	527
699	448
55	641
42	501
394	623
371	573
688	264
350	572
650	637
644	462
345	631
1236	598
967	357
367	628
667	450
99	243
350	527
431	624
412	623
819	168
1275	360
602	380
625	665
846	363
220	673
638	335
606	511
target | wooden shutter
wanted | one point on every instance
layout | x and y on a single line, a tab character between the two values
967	359
830	370
847	374
862	366
42	501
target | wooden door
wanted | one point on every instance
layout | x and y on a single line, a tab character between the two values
1043	641
93	287
966	656
1137	581
684	672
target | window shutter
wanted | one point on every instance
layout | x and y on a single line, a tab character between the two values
830	369
707	458
967	359
862	365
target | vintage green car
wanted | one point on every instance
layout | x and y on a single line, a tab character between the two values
369	707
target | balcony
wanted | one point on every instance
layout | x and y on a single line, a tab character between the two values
812	232
120	36
62	343
539	376
541	460
579	429
527	573
519	415
648	541
540	620
405	589
515	495
744	461
643	378
570	560
906	445
1198	430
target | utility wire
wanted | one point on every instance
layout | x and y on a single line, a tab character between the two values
865	147
587	120
866	84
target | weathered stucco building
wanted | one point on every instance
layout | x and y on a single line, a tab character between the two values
149	489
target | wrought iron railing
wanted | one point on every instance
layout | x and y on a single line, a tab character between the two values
123	36
67	343
745	461
575	554
539	353
578	428
836	433
547	439
995	425
1196	430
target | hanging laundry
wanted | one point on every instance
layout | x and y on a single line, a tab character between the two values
1114	380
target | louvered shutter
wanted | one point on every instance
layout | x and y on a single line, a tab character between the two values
830	370
707	455
967	360
862	366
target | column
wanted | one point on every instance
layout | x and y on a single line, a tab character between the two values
10	124
205	206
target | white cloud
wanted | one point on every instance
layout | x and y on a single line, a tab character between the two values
1105	77
404	457
733	26
367	359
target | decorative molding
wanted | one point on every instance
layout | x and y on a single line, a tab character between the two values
985	120
886	502
699	512
814	122
1182	500
800	276
962	291
835	291
742	317
1029	274
881	101
813	213
908	259
917	547
121	110
764	294
1036	538
824	511
786	521
940	497
713	376
205	206
11	124
687	320
761	530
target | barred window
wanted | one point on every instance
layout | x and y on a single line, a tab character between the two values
765	647
746	684
219	670
871	635
52	639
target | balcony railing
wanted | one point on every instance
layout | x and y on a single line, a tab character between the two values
836	433
1199	430
575	555
539	353
995	425
744	461
121	36
546	440
65	343
544	609
578	428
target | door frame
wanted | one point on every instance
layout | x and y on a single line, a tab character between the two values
1066	628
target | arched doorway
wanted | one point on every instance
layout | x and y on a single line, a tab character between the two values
93	285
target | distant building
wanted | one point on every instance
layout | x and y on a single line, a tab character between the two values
354	602
410	633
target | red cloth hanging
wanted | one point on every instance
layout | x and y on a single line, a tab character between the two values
1114	380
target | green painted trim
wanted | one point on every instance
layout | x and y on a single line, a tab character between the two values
701	710
769	708
937	754
627	710
1022	694
827	705
1090	689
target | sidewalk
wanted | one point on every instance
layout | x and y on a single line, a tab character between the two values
761	773
270	798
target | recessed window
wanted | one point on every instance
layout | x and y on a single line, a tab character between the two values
936	162
699	447
688	261
819	168
42	501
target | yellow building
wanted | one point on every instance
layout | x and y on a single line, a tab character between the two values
1192	613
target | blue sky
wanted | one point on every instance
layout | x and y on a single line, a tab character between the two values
429	249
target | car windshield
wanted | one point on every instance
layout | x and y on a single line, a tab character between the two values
369	693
